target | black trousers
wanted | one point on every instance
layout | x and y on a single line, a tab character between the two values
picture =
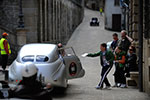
119	75
4	61
104	73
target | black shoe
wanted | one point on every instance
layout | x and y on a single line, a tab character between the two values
115	85
128	75
108	87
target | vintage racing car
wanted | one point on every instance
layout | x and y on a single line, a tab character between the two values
94	22
53	68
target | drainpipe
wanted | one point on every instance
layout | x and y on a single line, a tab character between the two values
128	21
140	31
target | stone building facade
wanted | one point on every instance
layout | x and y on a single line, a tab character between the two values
146	48
133	31
94	4
114	18
49	21
133	19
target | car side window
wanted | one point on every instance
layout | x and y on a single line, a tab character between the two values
29	58
41	58
69	51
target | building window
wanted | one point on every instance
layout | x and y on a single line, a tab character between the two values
117	2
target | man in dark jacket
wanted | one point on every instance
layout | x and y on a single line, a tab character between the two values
125	41
115	42
106	58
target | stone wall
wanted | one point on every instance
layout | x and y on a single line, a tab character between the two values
9	18
50	21
65	17
9	14
133	19
133	30
146	46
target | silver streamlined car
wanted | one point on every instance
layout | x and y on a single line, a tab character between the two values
109	45
53	68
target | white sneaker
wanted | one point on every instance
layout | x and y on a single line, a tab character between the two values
123	86
118	84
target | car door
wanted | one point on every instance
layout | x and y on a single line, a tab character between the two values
73	65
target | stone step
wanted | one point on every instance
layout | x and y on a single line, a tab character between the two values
131	82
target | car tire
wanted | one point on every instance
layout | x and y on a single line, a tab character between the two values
59	90
91	24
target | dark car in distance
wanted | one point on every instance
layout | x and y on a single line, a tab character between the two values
94	22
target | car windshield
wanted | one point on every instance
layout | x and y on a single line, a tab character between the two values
41	58
94	19
28	58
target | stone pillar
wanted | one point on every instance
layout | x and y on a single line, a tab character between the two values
21	37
